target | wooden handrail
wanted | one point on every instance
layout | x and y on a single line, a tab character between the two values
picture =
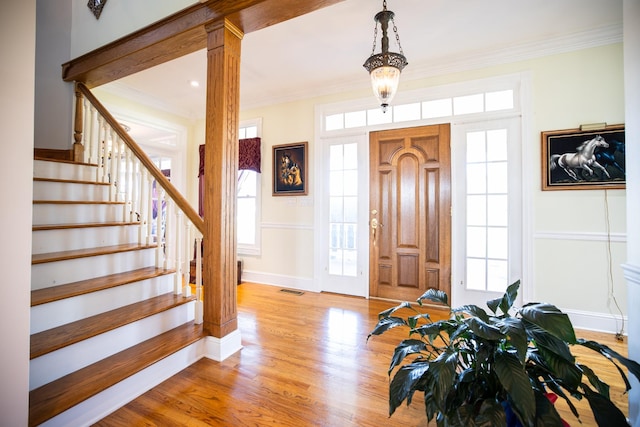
171	190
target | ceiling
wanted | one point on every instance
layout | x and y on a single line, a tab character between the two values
323	52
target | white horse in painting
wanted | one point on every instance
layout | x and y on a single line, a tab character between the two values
583	158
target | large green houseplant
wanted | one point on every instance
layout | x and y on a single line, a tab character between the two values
496	368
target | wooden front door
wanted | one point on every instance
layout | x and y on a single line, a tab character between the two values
410	212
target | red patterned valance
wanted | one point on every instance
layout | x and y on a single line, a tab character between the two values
249	156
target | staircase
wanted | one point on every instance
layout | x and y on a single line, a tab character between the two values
107	321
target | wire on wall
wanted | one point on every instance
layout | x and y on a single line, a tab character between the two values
612	296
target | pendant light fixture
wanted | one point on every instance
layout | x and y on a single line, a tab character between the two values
385	67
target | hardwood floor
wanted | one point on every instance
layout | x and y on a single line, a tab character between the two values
305	362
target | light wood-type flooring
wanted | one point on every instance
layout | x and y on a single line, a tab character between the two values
305	362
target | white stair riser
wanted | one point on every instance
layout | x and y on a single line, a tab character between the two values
57	313
59	170
53	190
44	241
52	366
61	272
76	213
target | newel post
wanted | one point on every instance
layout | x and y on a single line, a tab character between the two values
221	161
78	148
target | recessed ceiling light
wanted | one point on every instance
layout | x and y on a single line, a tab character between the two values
194	83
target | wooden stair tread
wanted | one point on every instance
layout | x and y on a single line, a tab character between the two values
56	338
48	159
83	253
70	181
42	227
56	397
76	202
56	293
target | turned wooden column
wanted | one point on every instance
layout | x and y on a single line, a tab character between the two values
221	161
78	148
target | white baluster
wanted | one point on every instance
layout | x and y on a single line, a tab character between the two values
125	187
134	215
199	304
177	238
186	268
150	220
159	243
168	238
114	167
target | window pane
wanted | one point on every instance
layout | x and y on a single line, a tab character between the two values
497	178
476	178
247	181
377	117
336	212
336	186
406	112
349	236
242	133
497	145
335	261
476	147
498	210
468	104
476	242
498	244
334	122
477	210
355	119
351	156
350	183
251	132
437	108
498	275
476	274
335	236
246	214
350	209
335	157
502	100
350	263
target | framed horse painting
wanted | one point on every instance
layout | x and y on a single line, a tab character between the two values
580	159
290	169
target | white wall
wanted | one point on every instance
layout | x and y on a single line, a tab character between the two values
53	38
569	89
632	113
17	32
118	19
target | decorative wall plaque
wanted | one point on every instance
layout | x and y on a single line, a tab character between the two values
96	7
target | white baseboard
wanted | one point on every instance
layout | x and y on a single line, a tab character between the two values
600	322
219	349
290	282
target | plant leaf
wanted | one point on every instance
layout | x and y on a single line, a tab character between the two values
443	370
385	324
435	296
551	319
563	370
473	310
515	380
483	329
403	383
513	328
404	349
550	342
631	365
506	302
546	413
491	414
600	386
604	411
388	312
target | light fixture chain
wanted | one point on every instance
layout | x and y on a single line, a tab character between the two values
395	30
375	36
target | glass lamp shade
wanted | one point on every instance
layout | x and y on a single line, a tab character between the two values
384	81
